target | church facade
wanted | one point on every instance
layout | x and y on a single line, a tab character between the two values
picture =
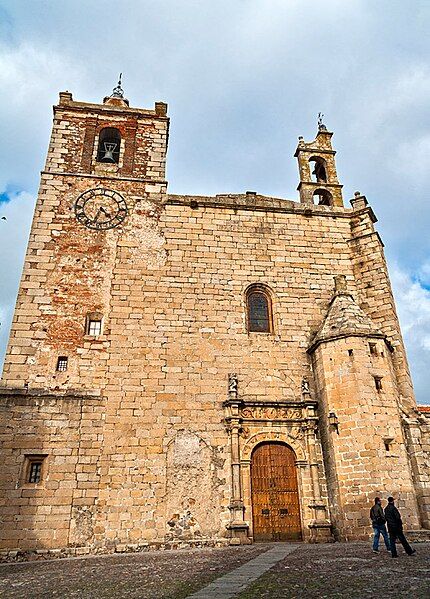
200	370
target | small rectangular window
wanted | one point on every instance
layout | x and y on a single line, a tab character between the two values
378	382
62	363
373	349
94	327
33	469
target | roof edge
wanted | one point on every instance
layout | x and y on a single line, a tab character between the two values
347	334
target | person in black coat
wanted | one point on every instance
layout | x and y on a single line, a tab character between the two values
395	528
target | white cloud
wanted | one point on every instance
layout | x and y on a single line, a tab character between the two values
30	79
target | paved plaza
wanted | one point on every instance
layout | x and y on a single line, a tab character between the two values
275	571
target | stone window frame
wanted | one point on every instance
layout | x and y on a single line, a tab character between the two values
29	460
265	290
373	348
94	317
378	382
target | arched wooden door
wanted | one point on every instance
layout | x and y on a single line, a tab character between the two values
275	497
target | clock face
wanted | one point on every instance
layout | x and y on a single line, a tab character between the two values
100	208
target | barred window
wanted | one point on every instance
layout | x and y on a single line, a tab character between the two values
34	467
259	310
35	473
62	363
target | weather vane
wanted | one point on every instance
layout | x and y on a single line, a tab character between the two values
320	121
118	92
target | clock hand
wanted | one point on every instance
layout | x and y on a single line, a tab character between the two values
97	215
105	212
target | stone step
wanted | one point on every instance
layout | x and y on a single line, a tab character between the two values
418	536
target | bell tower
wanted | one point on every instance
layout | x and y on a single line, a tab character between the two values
111	140
102	190
317	169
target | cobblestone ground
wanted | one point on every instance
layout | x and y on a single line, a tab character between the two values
345	570
311	572
152	575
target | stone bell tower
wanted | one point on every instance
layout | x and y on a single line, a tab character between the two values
102	186
317	169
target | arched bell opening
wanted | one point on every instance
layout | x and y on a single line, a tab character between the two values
322	197
109	145
274	493
318	169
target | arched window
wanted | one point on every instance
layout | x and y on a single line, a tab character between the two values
318	169
259	310
109	145
322	197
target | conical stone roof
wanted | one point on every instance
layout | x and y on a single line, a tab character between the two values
344	318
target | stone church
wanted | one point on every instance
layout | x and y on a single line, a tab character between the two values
199	370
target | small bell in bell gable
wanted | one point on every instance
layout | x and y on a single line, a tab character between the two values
109	148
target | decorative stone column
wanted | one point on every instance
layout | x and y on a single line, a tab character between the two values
320	526
238	527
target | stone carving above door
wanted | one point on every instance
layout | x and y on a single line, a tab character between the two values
264	412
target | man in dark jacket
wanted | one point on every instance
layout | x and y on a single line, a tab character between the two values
395	528
378	523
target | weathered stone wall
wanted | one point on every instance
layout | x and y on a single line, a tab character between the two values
61	510
174	329
417	436
358	464
178	329
374	291
68	268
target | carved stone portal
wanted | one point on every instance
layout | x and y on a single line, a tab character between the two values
294	423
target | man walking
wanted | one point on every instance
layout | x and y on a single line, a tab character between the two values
378	523
395	528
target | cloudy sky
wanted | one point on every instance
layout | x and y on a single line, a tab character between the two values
243	78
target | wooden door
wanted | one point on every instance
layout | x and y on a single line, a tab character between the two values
275	497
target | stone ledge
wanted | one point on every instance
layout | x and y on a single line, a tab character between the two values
418	536
40	393
258	203
18	555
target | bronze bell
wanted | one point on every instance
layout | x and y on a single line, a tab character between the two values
109	149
